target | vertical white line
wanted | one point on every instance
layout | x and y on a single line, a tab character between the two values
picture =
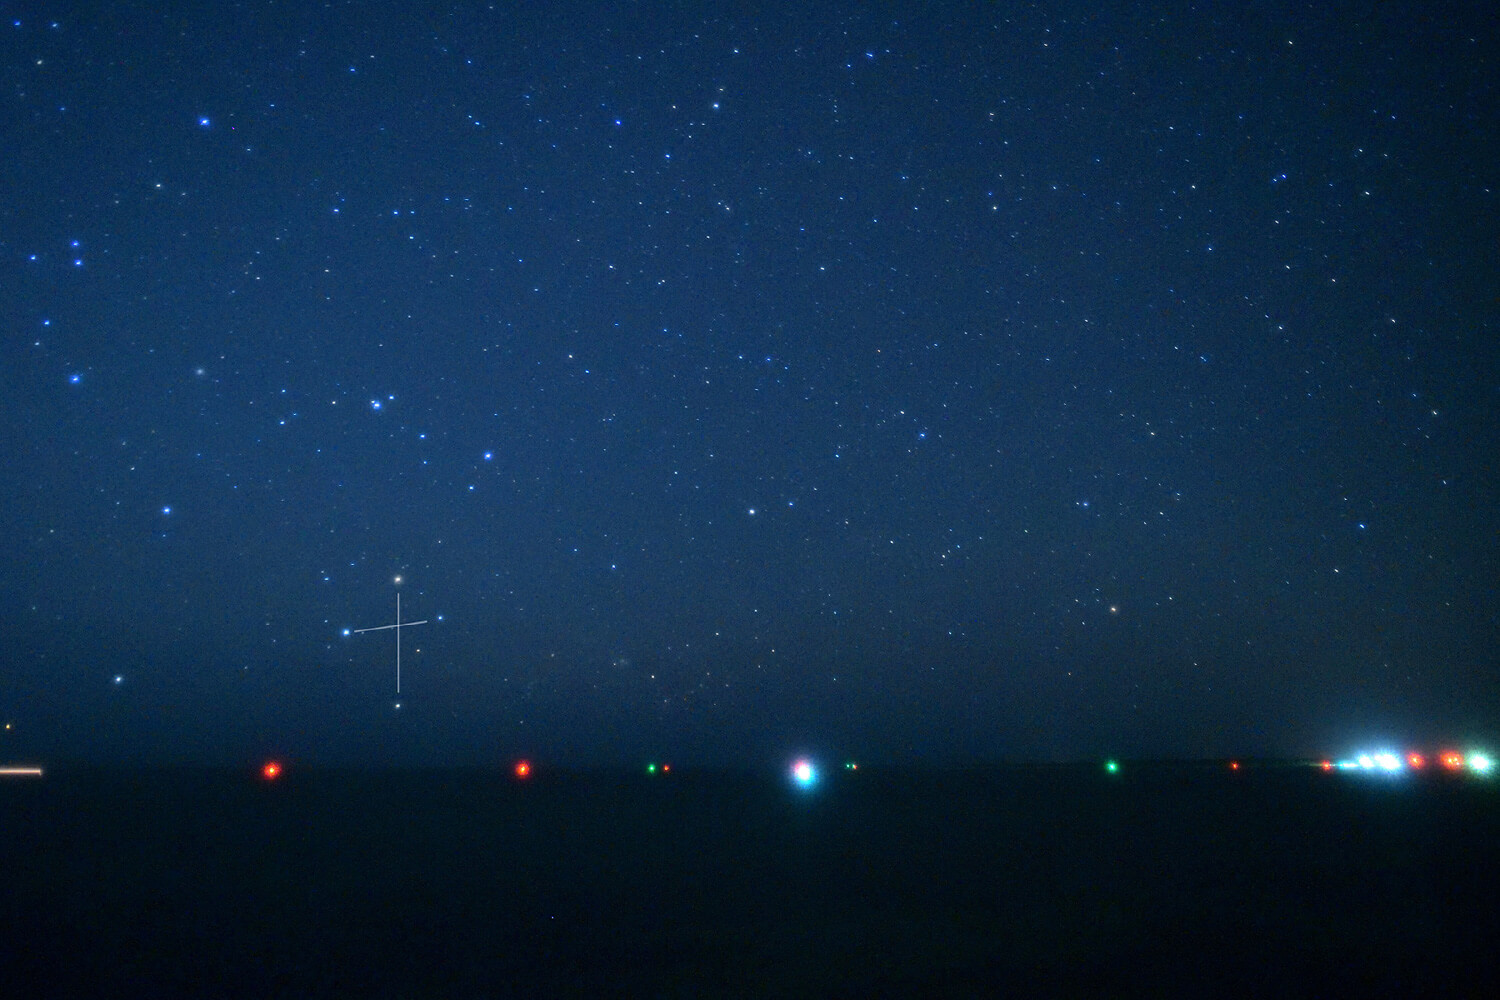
396	627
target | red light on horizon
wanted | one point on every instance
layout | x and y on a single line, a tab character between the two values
1416	760
1452	761
523	768
1327	765
666	767
1234	765
271	771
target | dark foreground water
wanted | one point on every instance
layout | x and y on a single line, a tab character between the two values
1162	880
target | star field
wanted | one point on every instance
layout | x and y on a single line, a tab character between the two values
927	383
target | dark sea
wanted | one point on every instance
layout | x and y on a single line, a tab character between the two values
1161	880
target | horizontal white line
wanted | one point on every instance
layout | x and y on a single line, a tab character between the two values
20	772
378	628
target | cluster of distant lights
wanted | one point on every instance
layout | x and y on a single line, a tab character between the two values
804	774
1387	762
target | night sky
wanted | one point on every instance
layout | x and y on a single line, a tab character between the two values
912	383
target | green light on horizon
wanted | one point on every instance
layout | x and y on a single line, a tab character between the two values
650	768
1112	766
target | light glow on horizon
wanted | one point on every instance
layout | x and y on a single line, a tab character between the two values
1389	762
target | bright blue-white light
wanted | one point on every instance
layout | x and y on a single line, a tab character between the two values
374	404
1480	763
804	774
1388	762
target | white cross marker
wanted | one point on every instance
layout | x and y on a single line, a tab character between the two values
398	627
